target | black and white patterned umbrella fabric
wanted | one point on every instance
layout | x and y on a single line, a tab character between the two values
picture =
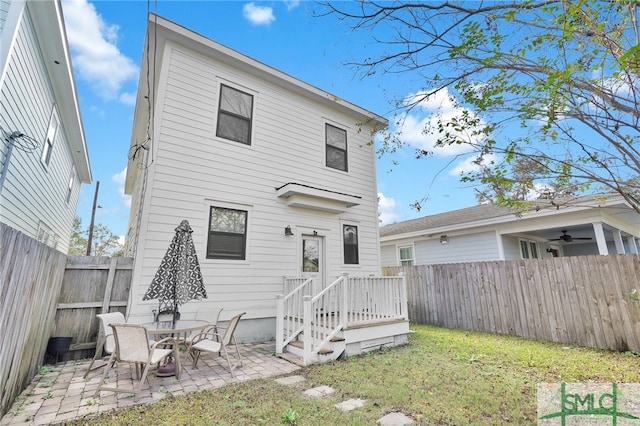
178	279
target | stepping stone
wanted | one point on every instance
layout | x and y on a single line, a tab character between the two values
290	380
395	419
319	391
351	404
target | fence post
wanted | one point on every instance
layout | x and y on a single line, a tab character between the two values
279	323
306	330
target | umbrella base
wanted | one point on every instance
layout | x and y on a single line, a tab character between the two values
167	370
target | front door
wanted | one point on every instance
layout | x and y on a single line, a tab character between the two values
313	260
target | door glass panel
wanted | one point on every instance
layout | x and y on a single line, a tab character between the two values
310	255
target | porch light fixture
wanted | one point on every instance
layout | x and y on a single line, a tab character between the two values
287	231
444	239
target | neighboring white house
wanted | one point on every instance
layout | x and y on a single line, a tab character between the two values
276	177
583	226
43	153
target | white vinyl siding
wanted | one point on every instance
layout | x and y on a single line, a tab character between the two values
31	193
191	167
466	248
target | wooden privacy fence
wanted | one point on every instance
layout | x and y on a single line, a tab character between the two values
91	285
30	280
45	293
581	300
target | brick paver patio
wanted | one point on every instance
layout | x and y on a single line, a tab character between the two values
63	393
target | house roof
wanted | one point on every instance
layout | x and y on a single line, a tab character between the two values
488	214
49	26
469	214
160	31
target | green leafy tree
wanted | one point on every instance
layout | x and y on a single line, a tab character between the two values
78	242
105	242
549	85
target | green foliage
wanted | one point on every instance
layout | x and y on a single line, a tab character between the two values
290	417
104	242
553	84
43	370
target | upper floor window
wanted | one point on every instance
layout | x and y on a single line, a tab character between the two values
52	131
350	241
528	249
336	143
227	237
72	178
406	256
235	115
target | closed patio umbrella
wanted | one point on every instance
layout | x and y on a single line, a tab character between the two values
178	278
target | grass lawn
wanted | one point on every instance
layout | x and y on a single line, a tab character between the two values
441	377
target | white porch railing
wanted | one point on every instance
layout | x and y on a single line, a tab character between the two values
346	302
290	310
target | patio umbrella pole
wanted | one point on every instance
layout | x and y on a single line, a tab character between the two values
178	279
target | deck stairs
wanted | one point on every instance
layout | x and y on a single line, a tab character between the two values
352	315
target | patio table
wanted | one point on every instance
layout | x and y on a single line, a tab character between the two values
176	329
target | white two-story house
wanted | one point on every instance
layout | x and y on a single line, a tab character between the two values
276	178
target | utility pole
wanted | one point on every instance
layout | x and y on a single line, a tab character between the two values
93	216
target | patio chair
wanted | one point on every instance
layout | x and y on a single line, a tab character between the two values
216	343
212	316
132	346
105	340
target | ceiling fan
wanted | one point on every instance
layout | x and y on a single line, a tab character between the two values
568	238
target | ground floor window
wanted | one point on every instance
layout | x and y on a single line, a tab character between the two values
227	237
350	242
406	255
528	249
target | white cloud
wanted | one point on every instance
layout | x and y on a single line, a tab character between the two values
292	4
258	15
120	178
414	127
128	98
386	208
469	165
96	56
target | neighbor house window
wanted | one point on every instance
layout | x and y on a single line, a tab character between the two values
72	178
350	241
52	131
227	234
46	235
528	249
406	256
336	141
235	115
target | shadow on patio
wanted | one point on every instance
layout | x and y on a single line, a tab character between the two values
63	394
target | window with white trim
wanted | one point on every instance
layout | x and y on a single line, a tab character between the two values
227	236
528	249
46	236
336	146
52	131
72	178
235	115
350	244
406	255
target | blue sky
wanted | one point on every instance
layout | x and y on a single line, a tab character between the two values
106	40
